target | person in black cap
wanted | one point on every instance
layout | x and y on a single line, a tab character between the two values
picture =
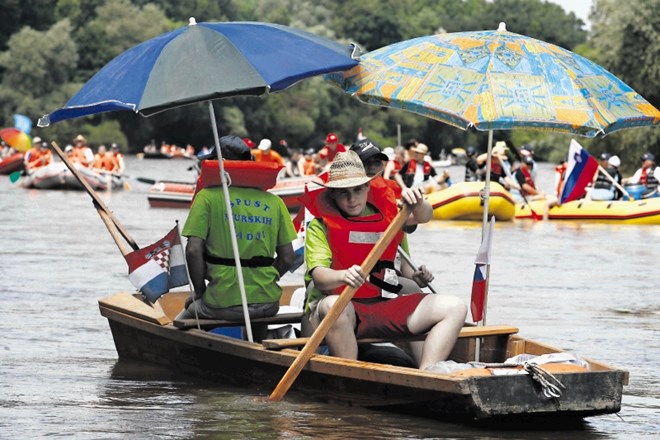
264	232
603	188
371	155
647	175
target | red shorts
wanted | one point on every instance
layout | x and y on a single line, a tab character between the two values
385	318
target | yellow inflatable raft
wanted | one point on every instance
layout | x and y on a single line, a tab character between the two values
462	201
639	212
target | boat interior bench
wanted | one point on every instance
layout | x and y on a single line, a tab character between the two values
208	324
466	332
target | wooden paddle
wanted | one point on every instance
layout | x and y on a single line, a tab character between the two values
98	203
338	307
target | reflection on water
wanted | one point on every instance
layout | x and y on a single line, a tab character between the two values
588	288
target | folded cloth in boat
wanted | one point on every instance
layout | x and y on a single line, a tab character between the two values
548	358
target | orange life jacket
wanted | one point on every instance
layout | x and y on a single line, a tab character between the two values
105	162
351	239
309	167
244	173
78	156
37	158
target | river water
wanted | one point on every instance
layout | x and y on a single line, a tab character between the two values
591	289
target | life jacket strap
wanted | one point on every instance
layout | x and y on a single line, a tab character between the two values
257	261
384	285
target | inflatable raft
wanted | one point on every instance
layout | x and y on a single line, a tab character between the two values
639	212
57	176
462	201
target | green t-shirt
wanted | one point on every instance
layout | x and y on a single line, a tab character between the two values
262	223
319	254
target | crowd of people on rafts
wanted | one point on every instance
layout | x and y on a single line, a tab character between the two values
520	177
105	160
408	166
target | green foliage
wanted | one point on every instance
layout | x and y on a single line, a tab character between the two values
105	133
48	48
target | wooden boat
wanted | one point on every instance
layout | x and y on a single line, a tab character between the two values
168	194
462	201
637	212
148	333
11	163
57	176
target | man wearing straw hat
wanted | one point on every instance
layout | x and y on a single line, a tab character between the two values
351	214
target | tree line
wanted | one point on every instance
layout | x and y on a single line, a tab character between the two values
49	48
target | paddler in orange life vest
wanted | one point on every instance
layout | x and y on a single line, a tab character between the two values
119	157
81	153
104	161
351	214
38	156
418	172
265	153
307	165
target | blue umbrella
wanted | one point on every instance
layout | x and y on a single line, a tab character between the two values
204	61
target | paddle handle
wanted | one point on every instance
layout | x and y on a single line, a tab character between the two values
338	307
616	184
412	264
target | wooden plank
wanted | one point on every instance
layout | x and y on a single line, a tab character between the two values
126	303
206	324
466	332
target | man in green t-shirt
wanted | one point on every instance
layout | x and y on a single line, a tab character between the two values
264	232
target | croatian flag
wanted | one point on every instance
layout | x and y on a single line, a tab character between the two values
480	280
155	269
580	172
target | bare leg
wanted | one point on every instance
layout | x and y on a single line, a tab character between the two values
444	315
341	336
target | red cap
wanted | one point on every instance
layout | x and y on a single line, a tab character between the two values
249	142
331	137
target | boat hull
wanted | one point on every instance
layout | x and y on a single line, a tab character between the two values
12	163
179	195
638	212
329	379
462	201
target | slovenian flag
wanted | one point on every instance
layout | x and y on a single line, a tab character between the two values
155	269
481	271
580	172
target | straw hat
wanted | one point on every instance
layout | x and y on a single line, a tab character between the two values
346	171
420	148
79	138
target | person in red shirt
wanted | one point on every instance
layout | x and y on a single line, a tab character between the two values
332	146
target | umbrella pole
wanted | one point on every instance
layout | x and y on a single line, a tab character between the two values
486	193
232	229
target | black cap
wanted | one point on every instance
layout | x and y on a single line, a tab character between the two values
471	151
232	148
529	160
605	156
648	156
367	149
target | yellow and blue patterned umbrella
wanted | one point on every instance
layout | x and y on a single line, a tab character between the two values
497	80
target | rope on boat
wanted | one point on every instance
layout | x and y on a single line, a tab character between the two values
550	385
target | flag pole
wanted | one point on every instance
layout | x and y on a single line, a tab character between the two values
232	228
486	191
98	203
